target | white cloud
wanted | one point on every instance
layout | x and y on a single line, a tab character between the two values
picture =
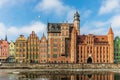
115	21
95	27
54	6
2	30
99	23
109	6
102	27
38	27
70	15
57	7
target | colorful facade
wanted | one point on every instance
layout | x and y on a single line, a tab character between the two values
64	44
12	51
21	49
33	44
117	50
43	50
4	50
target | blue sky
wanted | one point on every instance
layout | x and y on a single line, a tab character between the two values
24	16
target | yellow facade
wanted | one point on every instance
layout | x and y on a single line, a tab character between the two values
21	49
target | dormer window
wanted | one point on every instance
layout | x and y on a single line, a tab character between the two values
102	38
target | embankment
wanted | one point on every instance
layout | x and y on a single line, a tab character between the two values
59	66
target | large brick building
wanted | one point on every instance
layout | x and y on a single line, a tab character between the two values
67	45
96	49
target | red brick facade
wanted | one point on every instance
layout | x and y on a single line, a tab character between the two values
67	45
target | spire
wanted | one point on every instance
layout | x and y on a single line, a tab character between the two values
43	37
6	37
76	16
110	31
33	32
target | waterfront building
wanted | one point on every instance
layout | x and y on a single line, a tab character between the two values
43	49
67	45
21	49
62	40
12	51
33	45
4	50
59	42
117	50
96	48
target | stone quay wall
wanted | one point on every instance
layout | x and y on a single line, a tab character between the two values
59	66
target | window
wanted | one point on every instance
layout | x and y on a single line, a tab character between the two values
55	45
23	50
55	49
54	55
63	45
20	50
48	50
55	40
16	45
102	38
48	45
11	45
48	55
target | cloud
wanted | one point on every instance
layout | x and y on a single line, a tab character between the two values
54	6
38	27
70	15
95	27
115	21
99	23
99	27
109	6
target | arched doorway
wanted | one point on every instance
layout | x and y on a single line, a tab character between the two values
89	60
89	76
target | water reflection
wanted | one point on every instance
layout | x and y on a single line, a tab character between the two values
61	76
69	76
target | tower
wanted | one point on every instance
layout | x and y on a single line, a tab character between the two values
6	38
111	43
77	22
73	45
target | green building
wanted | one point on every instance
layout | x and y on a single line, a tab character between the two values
12	51
117	50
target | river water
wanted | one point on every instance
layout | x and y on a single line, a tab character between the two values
61	75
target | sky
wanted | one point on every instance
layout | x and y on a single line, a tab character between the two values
24	16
